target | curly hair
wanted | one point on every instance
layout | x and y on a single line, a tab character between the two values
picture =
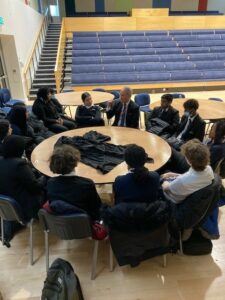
197	154
64	159
191	104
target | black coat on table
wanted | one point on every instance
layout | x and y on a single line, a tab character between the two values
196	129
132	115
171	116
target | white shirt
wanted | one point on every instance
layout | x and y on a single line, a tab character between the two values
188	183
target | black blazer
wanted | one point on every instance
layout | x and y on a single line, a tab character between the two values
85	115
75	190
18	181
132	117
196	129
171	117
45	111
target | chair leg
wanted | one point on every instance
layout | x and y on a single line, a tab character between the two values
180	241
2	230
31	243
94	260
46	251
164	260
111	264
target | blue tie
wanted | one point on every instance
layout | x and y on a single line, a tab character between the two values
123	116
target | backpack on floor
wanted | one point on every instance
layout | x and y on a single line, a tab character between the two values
197	245
61	282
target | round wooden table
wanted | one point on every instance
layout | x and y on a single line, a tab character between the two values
154	146
208	109
74	98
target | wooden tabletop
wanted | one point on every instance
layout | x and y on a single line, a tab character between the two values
74	98
154	146
208	109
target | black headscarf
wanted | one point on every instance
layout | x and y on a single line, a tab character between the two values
13	146
18	117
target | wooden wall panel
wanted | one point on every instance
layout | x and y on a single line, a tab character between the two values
84	24
124	23
149	12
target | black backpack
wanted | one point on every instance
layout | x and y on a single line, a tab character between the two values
197	245
61	282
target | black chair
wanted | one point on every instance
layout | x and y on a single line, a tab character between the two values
211	122
68	227
10	210
178	96
196	208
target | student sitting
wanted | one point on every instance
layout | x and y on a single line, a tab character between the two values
17	179
139	185
68	187
5	130
191	126
166	113
88	114
56	102
46	111
177	187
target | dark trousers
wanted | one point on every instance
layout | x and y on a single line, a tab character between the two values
57	128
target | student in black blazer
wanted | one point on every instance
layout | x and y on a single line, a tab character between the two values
126	112
5	130
68	187
166	113
88	114
191	127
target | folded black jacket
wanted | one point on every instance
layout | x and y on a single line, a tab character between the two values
94	151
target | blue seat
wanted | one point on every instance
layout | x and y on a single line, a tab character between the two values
167	50
206	65
134	45
189	75
133	33
154	76
219	31
217	49
178	95
190	44
205	56
85	46
85	39
114	52
116	94
217	75
5	98
135	39
87	68
85	34
110	39
164	44
85	53
173	57
202	31
116	59
156	32
119	68
112	46
214	43
149	67
143	101
86	60
99	90
139	51
216	99
90	78
220	56
186	37
180	32
173	66
159	38
120	77
209	37
223	36
10	210
144	58
196	50
109	33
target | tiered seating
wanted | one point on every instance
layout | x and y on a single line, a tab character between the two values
148	56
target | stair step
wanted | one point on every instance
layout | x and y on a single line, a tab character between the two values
48	67
47	62
38	85
44	80
48	57
44	71
44	75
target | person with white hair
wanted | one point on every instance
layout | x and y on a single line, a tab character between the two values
125	111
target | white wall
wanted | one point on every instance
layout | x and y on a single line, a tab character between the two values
22	22
216	5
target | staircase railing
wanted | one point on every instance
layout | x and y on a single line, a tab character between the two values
59	65
33	60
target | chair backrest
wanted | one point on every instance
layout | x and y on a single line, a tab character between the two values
142	99
66	227
6	96
10	210
216	99
178	95
99	90
196	207
116	94
220	168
